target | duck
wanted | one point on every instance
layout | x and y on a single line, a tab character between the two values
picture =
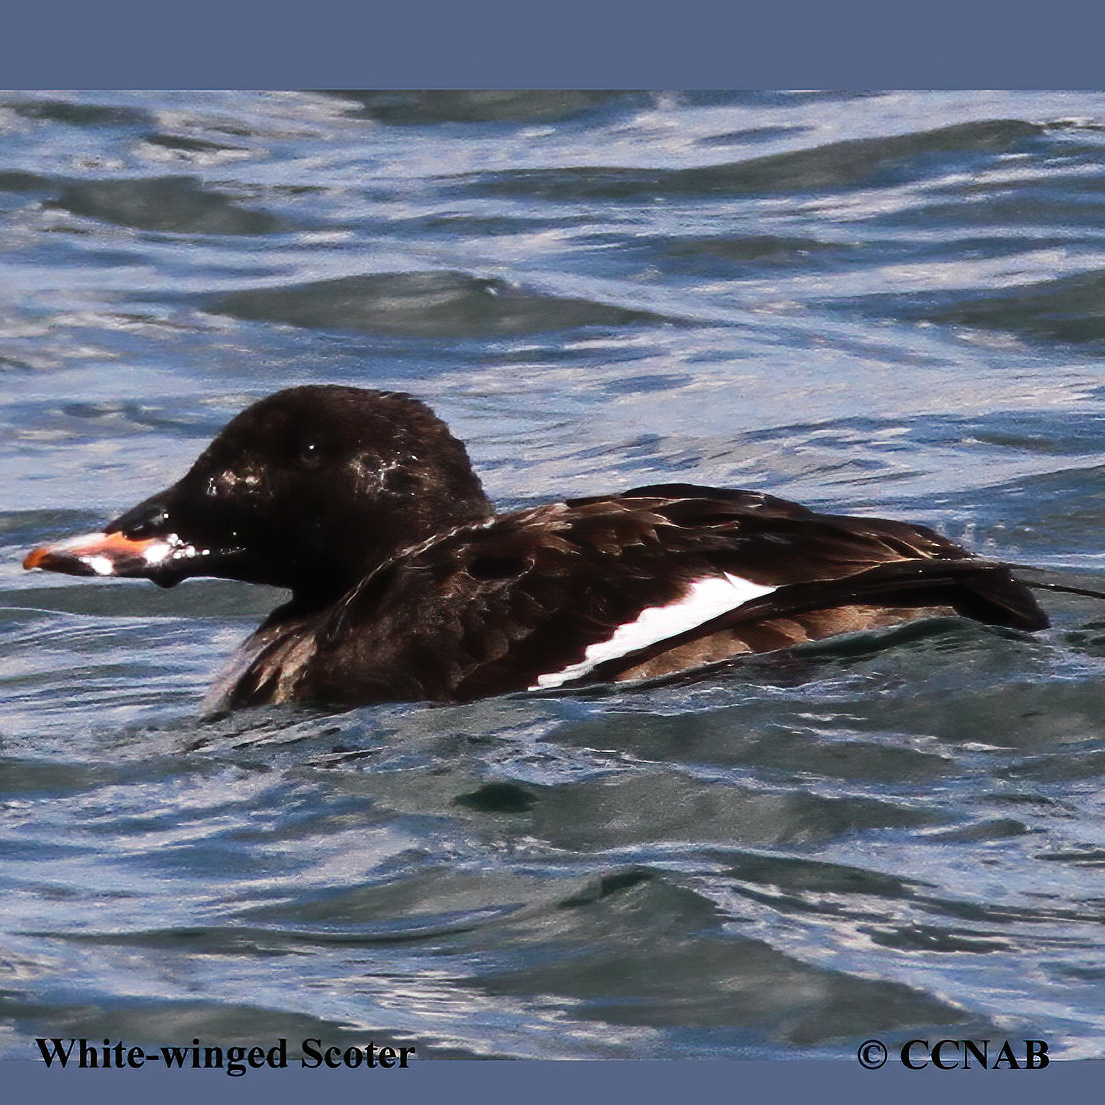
407	585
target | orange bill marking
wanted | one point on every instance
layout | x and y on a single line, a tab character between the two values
98	554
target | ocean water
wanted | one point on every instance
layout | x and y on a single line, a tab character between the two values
880	303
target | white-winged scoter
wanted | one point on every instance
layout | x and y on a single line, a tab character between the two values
406	585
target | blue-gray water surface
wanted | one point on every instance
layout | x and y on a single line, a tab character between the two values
888	304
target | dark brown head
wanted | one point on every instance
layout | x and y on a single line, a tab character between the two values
309	489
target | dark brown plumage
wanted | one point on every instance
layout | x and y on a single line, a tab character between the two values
406	586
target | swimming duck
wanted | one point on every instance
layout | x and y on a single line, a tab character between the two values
407	585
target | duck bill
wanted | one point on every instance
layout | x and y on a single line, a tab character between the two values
113	554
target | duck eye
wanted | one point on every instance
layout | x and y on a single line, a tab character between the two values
310	455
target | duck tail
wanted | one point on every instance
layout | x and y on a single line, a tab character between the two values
983	590
1063	588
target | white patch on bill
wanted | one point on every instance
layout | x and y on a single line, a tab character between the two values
705	599
97	552
157	552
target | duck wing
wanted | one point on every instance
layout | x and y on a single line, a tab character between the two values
656	579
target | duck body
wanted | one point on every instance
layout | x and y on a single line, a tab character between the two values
406	585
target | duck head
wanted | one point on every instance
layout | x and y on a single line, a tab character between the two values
308	489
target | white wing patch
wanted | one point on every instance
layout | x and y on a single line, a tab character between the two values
705	599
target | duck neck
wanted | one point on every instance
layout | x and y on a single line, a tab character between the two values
323	581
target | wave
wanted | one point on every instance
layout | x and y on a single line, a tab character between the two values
178	205
172	204
837	165
484	105
79	115
1071	309
423	304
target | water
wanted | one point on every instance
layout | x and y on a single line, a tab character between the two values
887	304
